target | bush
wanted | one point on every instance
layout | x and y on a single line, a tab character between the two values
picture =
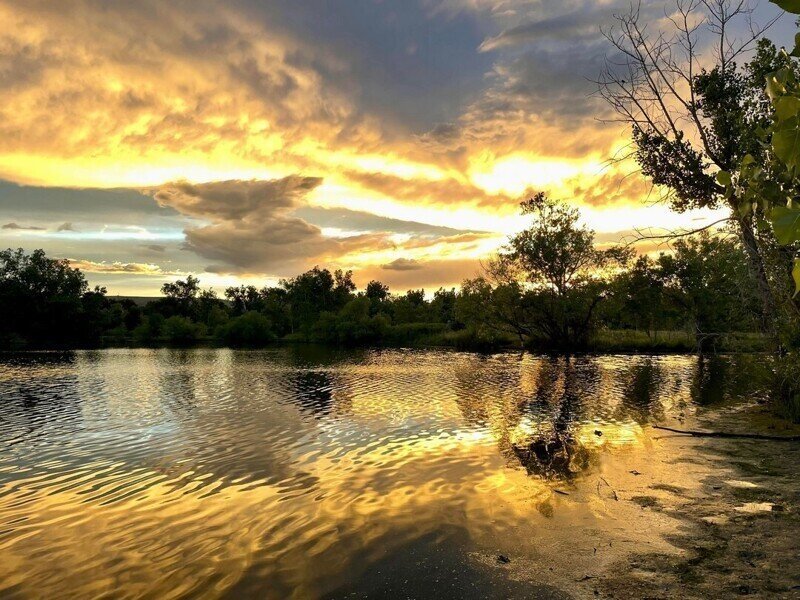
251	329
151	328
477	339
180	330
413	333
352	325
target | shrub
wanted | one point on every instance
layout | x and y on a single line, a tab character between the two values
251	329
180	330
151	328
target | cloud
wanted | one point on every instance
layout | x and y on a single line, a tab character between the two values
613	187
234	199
441	192
66	227
402	264
354	220
15	226
254	97
154	247
431	274
582	22
251	227
89	266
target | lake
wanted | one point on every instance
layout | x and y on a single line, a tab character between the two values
303	472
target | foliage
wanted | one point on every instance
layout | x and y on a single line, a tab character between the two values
180	330
250	329
704	282
41	299
151	328
551	277
352	324
702	129
786	388
707	277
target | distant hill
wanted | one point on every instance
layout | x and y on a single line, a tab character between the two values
139	300
145	300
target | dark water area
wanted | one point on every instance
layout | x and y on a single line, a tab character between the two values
315	473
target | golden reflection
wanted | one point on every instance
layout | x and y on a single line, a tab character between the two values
289	473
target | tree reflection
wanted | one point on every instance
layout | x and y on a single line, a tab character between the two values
38	393
178	383
313	390
553	449
535	411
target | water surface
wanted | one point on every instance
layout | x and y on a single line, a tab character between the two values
304	472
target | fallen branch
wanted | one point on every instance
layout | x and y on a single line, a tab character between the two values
725	434
613	491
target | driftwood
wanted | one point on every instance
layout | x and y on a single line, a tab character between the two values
725	434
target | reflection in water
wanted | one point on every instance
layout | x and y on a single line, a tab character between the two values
299	472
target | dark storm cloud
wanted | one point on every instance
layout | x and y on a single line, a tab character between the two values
252	229
399	61
235	199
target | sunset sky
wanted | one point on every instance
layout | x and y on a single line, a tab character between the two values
248	140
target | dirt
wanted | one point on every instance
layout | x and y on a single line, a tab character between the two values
738	531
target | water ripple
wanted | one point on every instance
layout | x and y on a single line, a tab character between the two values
175	473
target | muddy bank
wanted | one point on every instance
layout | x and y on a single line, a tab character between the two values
739	528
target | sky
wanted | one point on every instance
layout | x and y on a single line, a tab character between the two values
248	140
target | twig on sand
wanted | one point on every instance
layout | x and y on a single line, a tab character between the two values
725	434
613	492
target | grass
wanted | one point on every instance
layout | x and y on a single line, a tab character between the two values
628	340
609	341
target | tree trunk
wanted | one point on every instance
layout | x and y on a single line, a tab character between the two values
769	308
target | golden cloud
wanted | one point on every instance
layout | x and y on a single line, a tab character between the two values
89	266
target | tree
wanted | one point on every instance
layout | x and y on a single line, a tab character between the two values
250	329
638	298
489	312
557	259
41	298
443	307
244	298
707	278
376	290
692	126
183	291
181	330
410	307
316	291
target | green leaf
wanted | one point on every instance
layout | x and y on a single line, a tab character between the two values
745	208
724	178
786	224
786	142
796	277
786	107
792	6
796	51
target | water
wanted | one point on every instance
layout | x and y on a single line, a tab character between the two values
303	472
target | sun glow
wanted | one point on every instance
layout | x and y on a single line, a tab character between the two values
516	174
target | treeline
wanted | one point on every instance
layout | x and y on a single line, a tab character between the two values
550	287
